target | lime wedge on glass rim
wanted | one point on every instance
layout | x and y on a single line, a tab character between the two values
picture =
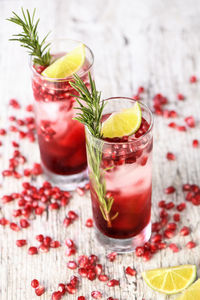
125	122
170	280
66	65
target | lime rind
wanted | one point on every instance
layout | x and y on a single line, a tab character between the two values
123	123
66	65
161	272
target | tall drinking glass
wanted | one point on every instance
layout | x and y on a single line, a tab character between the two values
61	139
120	171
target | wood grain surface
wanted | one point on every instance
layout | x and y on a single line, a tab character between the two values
155	44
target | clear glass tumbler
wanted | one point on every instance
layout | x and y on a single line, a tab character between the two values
61	139
120	172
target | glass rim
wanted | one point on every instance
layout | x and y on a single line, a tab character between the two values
66	78
126	142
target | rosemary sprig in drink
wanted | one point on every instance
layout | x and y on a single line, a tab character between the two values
90	114
29	37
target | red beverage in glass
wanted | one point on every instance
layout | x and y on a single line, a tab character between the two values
126	168
61	138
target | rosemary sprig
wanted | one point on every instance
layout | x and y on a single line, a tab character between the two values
29	37
90	114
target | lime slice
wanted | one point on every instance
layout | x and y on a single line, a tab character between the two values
125	122
170	280
67	64
192	293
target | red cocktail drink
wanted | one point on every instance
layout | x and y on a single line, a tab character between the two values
126	176
61	138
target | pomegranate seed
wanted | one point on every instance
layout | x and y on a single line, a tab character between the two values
112	282
47	241
54	206
70	288
82	272
162	246
170	190
72	265
180	97
98	269
162	203
190	121
96	295
170	156
193	79
70	251
172	125
55	244
174	248
195	143
4	222
16	213
156	227
191	245
69	243
184	231
21	243
130	271
112	256
29	107
91	275
87	186
14	103
171	226
34	283
43	248
140	89
163	213
181	128
176	217
14	227
156	238
81	298
74	281
147	256
169	205
89	223
67	222
80	191
102	277
2	131
139	251
39	238
61	286
40	291
56	295
24	223
32	251
72	215
169	233
181	206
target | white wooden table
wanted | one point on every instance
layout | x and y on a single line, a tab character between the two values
155	44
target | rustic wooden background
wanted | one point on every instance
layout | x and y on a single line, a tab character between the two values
151	43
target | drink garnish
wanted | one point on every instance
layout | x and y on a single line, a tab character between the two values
29	38
170	280
123	123
66	65
90	114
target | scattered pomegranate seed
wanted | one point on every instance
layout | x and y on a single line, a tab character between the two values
170	156
162	203
130	271
81	298
171	226
40	291
156	238
112	256
190	121
72	215
112	282
195	143
2	131
32	251
34	283
180	97
174	248
140	90
67	222
39	238
102	277
14	227
170	190
181	206
55	244
71	289
14	103
193	79
169	205
191	245
21	243
176	217
56	295
184	231
139	251
181	128
169	233
4	222
96	295
80	191
89	223
72	265
24	223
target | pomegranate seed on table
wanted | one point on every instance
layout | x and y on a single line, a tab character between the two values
190	121
170	156
24	223
4	222
169	233
14	103
156	238
112	282
91	275
195	143
103	277
96	295
180	97
193	79
130	271
170	190
181	206
56	295
81	298
55	244
191	245
32	251
39	238
72	215
43	248
80	191
71	265
34	283
112	256
71	289
174	247
14	227
185	231
89	223
176	217
169	205
139	251
40	291
171	226
21	243
162	203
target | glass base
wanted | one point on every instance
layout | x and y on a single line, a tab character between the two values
66	182
124	245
